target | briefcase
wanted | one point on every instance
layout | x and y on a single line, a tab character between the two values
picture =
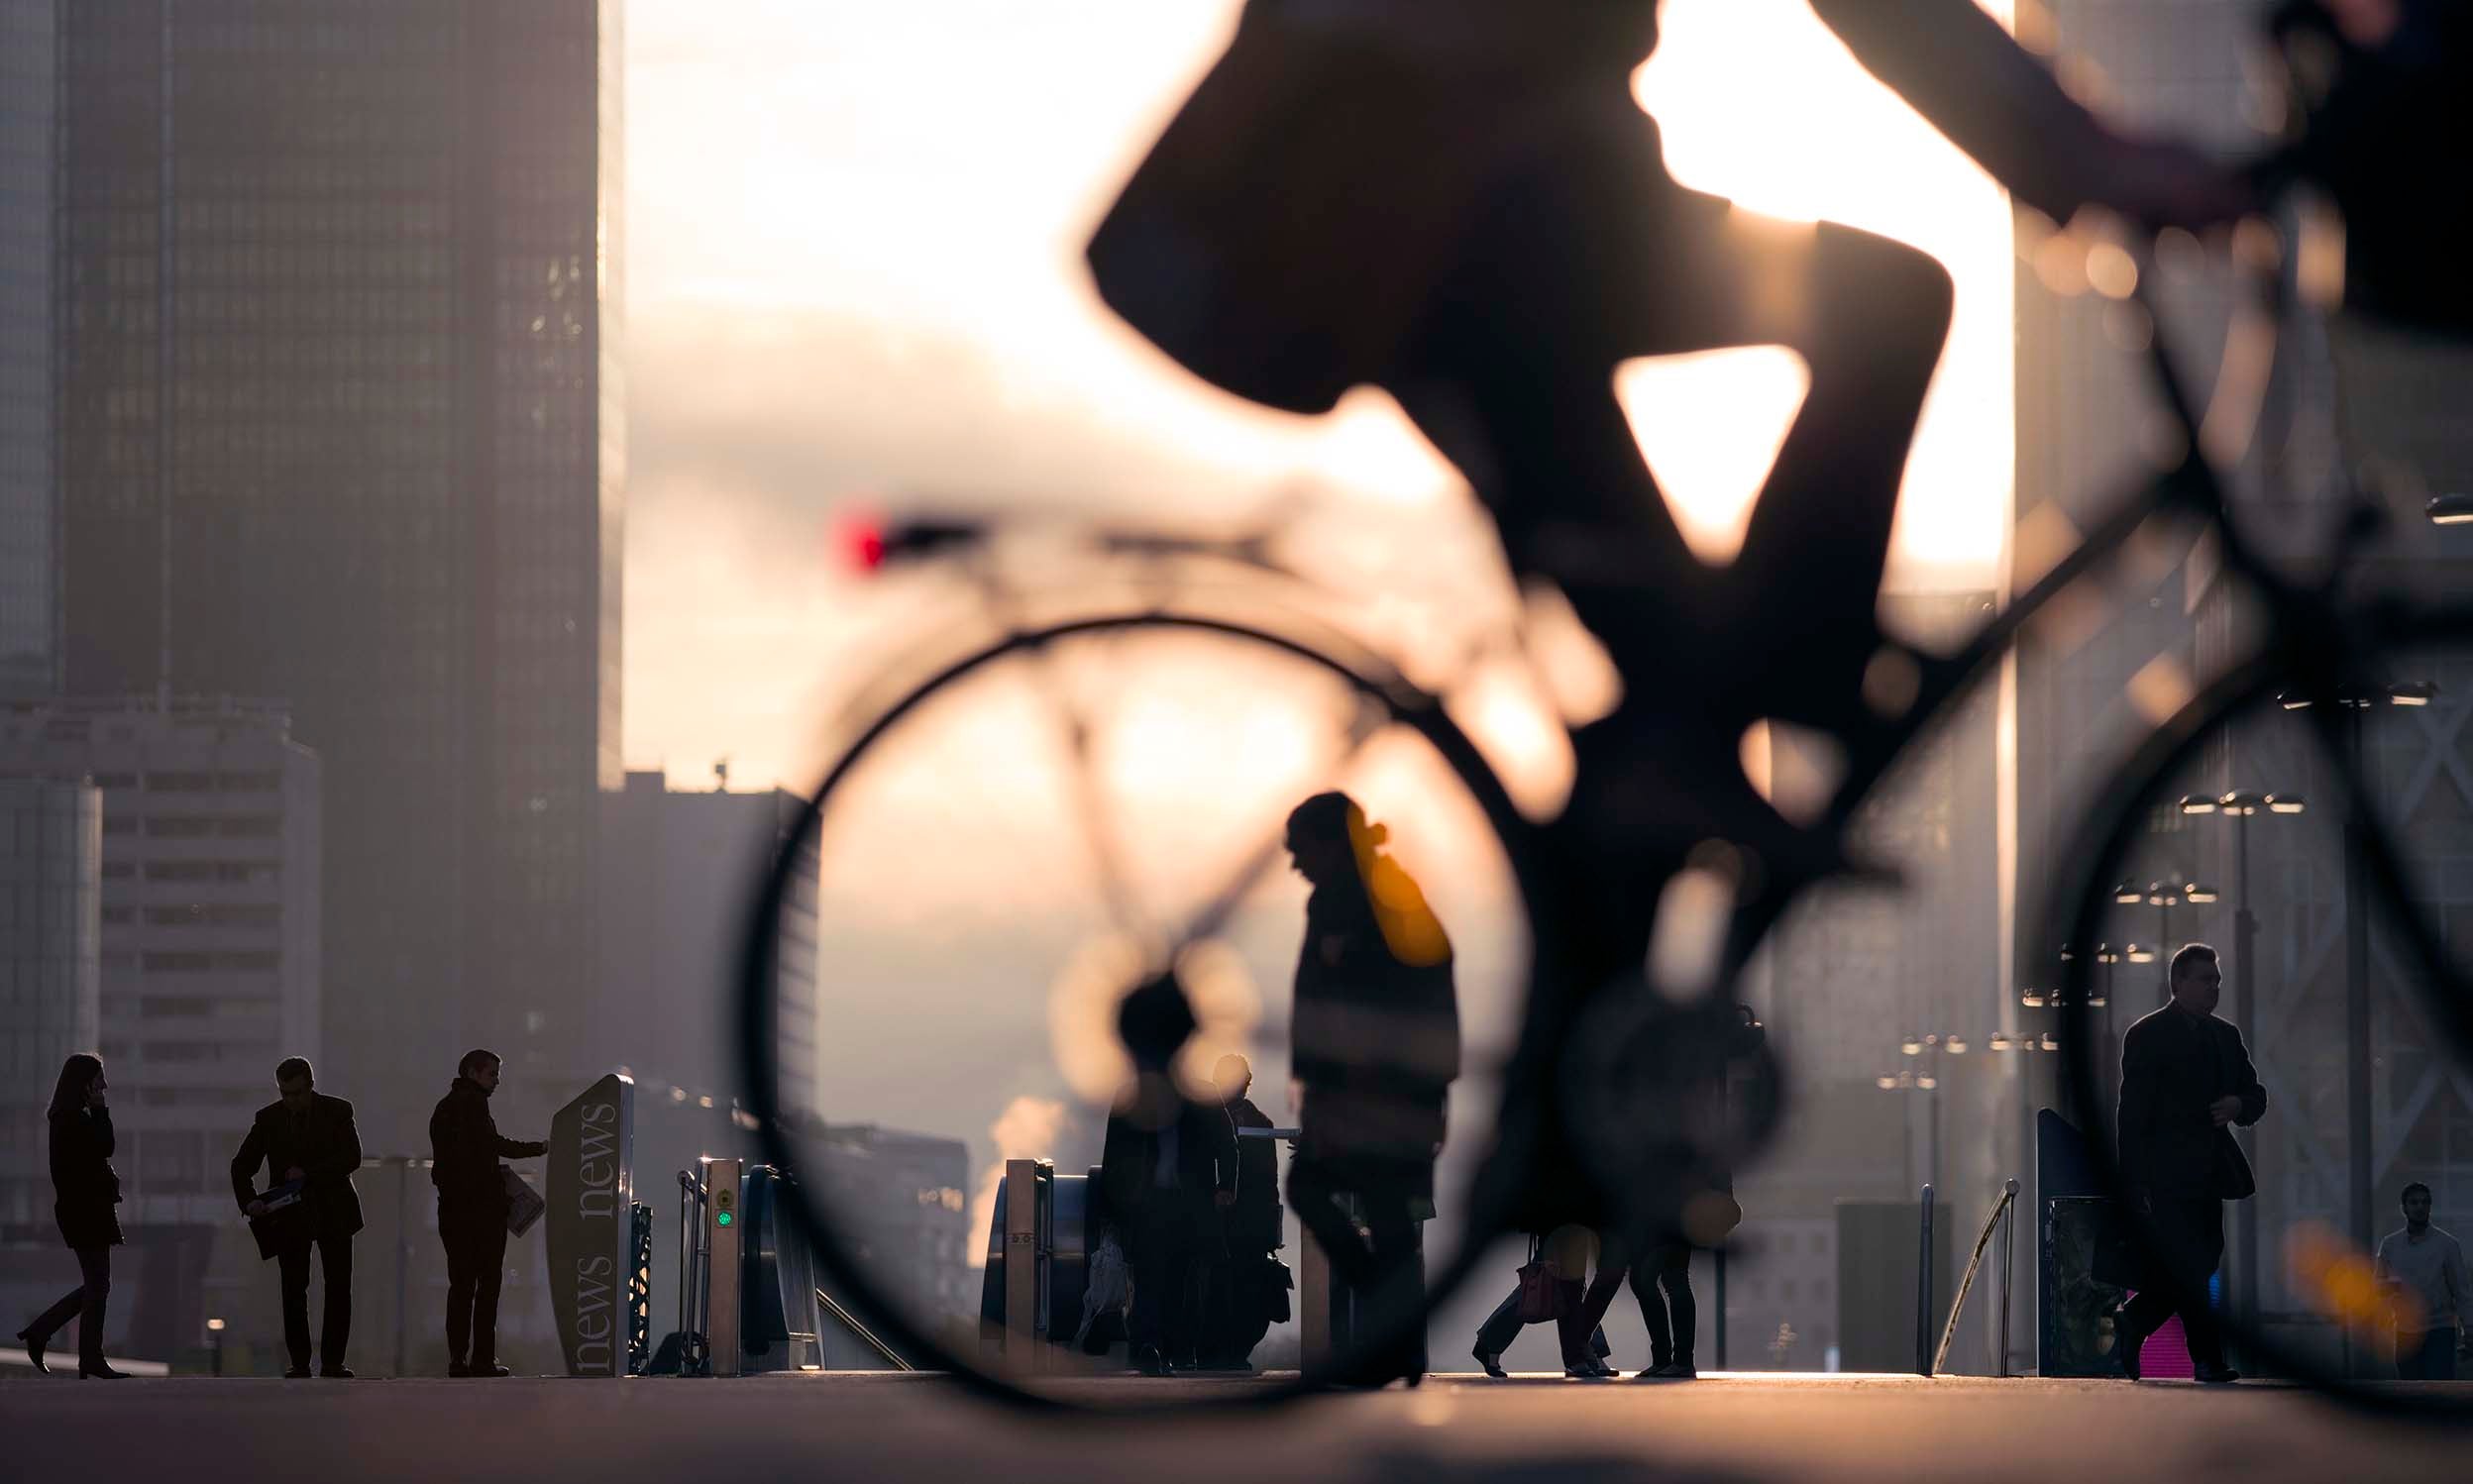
523	1204
282	1215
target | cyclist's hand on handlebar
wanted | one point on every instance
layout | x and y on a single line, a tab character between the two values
2173	185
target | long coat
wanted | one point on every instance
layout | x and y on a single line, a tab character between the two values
1375	1029
84	1187
323	1144
1206	1161
2173	1064
1253	1222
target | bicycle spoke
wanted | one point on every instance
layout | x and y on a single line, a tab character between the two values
1090	803
1364	726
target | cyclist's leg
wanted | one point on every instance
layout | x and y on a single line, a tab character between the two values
1599	258
1871	331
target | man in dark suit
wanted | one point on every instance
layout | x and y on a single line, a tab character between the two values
1238	1307
465	1149
2186	1079
1169	1169
306	1136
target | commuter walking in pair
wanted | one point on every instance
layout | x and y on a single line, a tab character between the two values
1249	1290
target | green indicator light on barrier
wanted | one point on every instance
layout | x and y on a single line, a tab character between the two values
724	1219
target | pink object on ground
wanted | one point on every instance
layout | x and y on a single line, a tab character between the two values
2166	1354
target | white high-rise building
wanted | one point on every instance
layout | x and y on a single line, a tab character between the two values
50	880
209	930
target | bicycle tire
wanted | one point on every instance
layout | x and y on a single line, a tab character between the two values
2073	913
1370	679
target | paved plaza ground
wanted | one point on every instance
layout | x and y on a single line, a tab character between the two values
1453	1431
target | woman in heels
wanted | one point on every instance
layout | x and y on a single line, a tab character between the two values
84	1190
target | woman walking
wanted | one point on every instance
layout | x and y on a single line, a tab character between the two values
84	1190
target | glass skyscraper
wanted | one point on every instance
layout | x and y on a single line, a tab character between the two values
340	423
29	487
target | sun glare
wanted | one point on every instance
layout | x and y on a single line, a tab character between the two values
1759	102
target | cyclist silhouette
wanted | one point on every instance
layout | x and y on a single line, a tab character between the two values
1459	201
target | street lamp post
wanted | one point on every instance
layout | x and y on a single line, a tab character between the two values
2163	895
2356	699
2240	805
1928	1083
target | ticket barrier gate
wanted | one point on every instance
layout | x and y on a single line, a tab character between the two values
748	1297
1039	1239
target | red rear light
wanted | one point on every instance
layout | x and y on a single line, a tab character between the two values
863	542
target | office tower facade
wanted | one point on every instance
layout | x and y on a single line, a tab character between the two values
29	118
678	873
50	886
339	423
680	870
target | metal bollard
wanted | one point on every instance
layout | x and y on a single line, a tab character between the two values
2009	1231
1026	1274
1923	1290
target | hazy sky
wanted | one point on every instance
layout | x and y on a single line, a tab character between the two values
853	238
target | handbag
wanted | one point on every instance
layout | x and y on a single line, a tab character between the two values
1276	1282
1110	1286
1544	1296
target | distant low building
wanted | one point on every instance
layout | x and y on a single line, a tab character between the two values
901	1201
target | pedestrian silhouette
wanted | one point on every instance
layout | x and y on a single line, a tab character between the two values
465	1150
2186	1079
1167	1173
85	1189
2421	1272
307	1142
1250	1293
1374	1043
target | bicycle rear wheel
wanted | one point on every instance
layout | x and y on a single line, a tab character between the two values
998	857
